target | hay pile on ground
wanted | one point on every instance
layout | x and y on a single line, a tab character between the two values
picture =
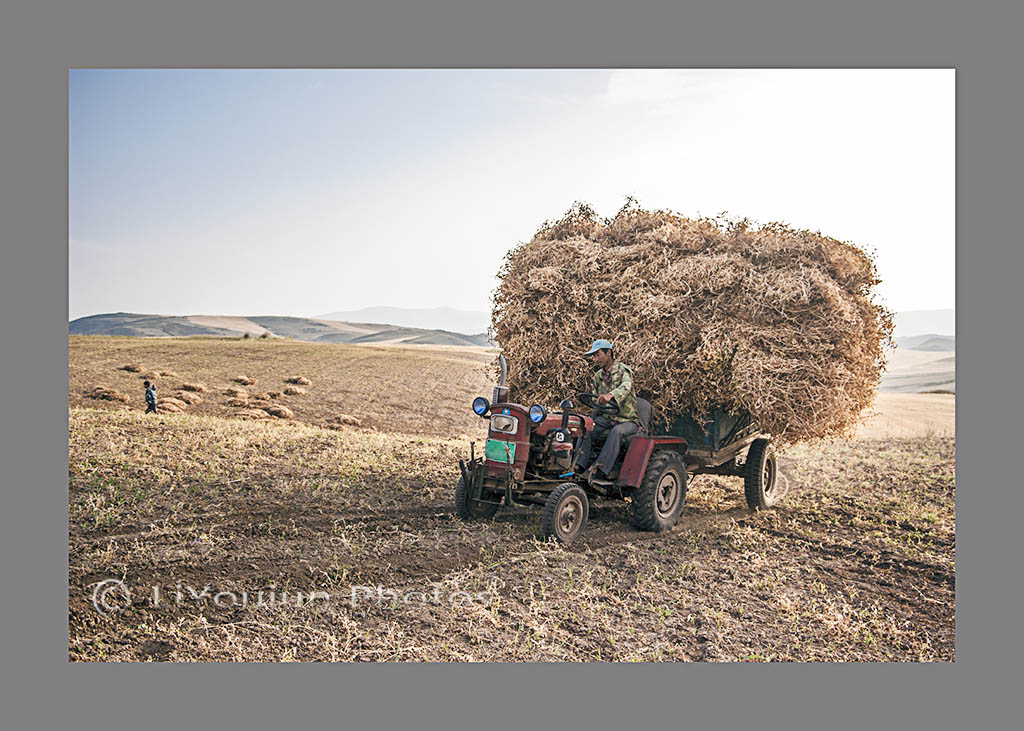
168	374
199	387
131	368
340	420
164	401
108	394
234	392
274	394
260	396
281	412
188	397
294	391
170	408
244	380
299	381
772	320
150	375
238	402
253	414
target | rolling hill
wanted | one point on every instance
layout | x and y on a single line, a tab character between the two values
316	330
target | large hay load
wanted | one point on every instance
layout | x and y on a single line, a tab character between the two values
710	313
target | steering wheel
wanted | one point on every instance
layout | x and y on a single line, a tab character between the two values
590	399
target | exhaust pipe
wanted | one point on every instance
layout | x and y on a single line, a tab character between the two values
501	390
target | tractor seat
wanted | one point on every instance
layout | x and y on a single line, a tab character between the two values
644	411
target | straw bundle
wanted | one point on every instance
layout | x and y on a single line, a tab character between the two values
708	313
281	412
108	394
294	391
298	380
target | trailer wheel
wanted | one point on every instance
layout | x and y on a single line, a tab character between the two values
565	513
467	508
658	502
760	479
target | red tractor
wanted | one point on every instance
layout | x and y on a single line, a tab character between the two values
529	459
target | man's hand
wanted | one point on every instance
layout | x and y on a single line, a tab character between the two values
604	398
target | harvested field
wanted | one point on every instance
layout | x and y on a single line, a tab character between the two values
392	388
856	563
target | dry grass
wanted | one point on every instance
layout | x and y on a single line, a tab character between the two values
168	374
244	380
274	394
197	387
857	563
131	368
279	411
294	391
103	393
189	397
298	380
238	393
343	420
165	401
772	320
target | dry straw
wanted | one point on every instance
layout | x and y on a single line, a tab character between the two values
194	387
188	397
108	394
294	391
298	380
244	380
708	312
281	412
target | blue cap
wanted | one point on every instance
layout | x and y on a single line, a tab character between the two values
598	344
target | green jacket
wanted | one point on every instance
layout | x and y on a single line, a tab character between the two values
619	383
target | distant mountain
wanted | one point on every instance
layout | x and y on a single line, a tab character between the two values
435	318
921	322
300	328
930	342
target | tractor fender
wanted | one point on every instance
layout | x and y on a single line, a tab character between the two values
634	465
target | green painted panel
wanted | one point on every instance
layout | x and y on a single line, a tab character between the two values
495	451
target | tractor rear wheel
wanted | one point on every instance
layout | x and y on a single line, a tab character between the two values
759	481
565	513
467	508
658	501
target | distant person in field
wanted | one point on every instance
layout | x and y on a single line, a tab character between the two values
150	397
613	383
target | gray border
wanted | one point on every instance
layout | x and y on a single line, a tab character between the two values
41	41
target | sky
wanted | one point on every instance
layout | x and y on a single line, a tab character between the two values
301	192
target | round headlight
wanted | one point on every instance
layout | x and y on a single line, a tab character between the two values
538	413
480	405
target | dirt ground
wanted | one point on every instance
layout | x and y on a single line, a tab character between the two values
231	519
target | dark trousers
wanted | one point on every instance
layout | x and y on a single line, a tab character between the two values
613	434
150	407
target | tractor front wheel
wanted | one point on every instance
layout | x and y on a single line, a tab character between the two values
658	502
565	513
467	508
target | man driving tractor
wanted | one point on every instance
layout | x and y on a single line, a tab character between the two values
613	383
